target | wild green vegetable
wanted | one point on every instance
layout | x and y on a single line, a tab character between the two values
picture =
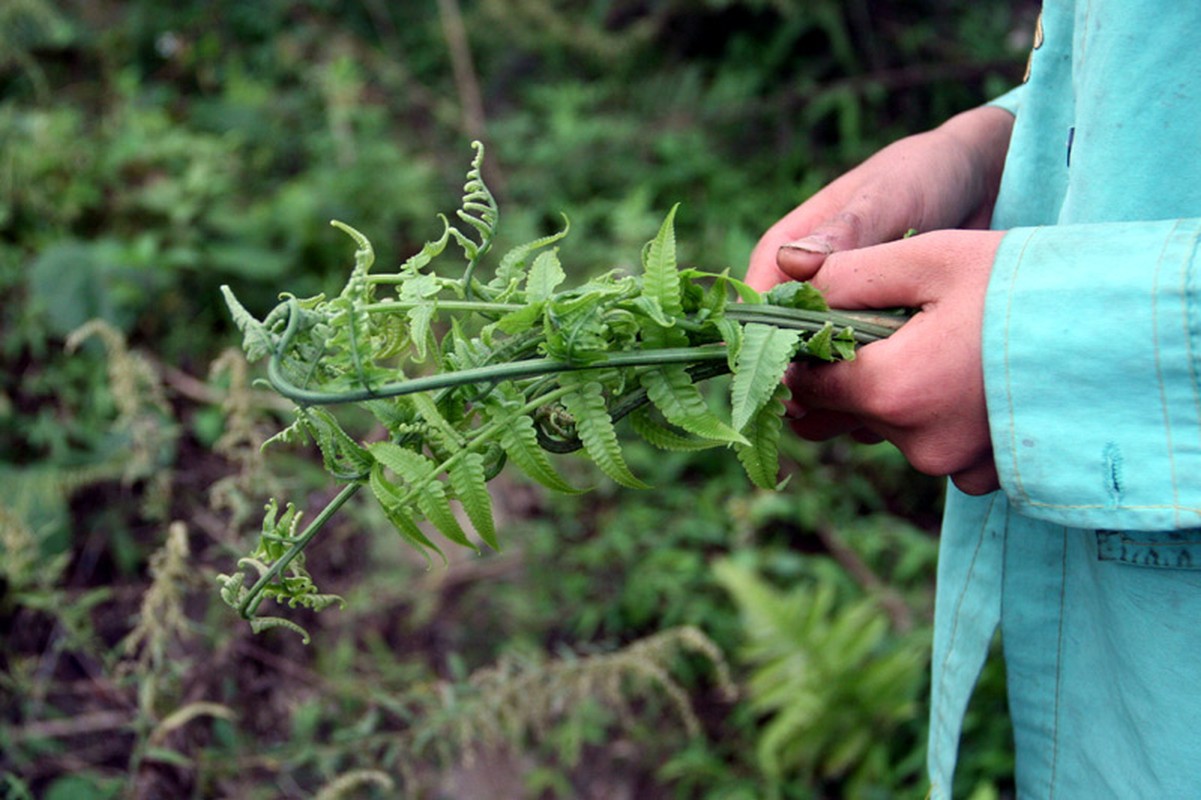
466	375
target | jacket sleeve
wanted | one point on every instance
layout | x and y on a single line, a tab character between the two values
1092	350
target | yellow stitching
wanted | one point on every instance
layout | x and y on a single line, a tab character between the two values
1013	447
983	532
1141	507
1063	580
1163	399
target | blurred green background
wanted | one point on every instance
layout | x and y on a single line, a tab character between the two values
702	640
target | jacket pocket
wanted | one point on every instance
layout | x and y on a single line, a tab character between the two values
1156	549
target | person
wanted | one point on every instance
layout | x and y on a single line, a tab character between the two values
1051	371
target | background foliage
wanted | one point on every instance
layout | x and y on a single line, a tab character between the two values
150	152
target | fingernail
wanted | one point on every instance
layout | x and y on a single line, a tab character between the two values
810	244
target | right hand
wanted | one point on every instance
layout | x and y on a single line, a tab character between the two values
944	178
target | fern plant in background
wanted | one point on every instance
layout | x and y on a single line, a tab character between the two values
466	374
833	689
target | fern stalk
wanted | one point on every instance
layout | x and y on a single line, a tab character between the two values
516	367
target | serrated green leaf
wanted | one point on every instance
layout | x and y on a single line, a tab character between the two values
731	334
428	252
661	277
392	501
649	307
257	340
844	344
595	428
343	456
575	330
420	320
760	457
522	319
470	485
820	345
260	624
421	476
512	265
796	294
664	438
364	256
519	440
444	433
672	391
546	274
763	357
292	434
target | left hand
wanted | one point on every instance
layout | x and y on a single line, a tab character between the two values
923	387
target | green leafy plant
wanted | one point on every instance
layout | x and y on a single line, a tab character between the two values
836	692
465	375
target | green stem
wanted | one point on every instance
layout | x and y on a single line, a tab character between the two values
386	306
867	327
254	597
488	374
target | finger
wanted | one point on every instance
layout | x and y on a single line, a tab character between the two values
902	273
977	480
818	426
833	387
868	218
866	436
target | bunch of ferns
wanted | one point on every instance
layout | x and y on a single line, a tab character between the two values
466	375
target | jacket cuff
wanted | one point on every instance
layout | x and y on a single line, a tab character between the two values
1091	348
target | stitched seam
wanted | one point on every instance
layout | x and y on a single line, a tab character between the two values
1187	302
938	739
1123	507
1063	579
1159	372
1018	487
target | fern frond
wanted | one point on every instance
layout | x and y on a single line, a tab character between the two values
348	784
440	429
661	277
421	476
672	391
257	340
664	438
260	624
429	251
546	274
513	264
469	479
760	457
162	618
763	355
595	429
831	344
343	457
364	257
519	439
394	505
480	212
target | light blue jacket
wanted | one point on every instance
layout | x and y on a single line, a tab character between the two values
1089	559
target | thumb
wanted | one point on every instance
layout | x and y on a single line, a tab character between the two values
854	226
911	272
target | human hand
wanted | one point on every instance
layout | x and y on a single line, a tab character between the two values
923	387
945	178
